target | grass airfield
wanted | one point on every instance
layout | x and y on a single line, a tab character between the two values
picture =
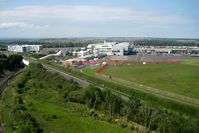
181	78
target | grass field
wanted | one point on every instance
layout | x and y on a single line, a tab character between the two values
90	71
191	62
177	78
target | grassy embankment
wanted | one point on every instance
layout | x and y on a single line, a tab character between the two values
36	102
178	108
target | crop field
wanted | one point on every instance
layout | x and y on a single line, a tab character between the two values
177	78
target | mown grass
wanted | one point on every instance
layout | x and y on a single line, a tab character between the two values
90	71
177	78
191	62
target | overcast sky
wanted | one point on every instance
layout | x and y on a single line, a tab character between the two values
99	18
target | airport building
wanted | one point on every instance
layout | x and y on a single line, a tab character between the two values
110	48
25	48
121	49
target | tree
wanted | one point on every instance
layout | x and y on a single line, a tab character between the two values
93	96
131	107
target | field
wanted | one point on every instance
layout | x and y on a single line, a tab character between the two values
177	78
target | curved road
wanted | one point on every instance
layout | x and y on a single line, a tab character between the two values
81	82
84	83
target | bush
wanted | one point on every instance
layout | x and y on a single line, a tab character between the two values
49	117
76	96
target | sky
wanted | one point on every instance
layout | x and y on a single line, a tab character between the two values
99	18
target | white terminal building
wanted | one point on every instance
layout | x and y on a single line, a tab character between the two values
110	48
25	48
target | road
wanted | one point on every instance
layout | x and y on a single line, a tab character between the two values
81	82
84	83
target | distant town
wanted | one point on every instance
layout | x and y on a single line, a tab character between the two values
98	53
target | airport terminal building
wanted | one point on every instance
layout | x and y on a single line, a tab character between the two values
110	48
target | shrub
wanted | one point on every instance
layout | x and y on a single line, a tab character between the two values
76	96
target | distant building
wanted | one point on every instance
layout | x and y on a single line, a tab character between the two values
25	48
163	51
81	54
194	51
110	48
72	62
171	50
121	49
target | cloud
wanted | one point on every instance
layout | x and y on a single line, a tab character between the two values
83	13
89	20
16	25
7	25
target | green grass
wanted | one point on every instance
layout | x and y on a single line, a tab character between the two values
177	78
191	62
176	107
42	98
90	71
71	121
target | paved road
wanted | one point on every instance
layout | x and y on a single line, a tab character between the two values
82	83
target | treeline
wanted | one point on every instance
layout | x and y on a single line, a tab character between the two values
82	42
10	62
51	43
165	42
3	47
